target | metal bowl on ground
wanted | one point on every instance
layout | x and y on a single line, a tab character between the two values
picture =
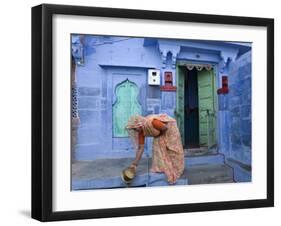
128	174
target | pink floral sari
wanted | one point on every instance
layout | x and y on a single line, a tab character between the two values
168	155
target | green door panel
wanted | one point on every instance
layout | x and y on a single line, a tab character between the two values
207	108
125	106
180	72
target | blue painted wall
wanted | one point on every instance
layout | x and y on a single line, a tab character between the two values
240	108
105	61
240	116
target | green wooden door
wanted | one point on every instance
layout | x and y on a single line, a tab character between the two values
207	108
179	113
125	106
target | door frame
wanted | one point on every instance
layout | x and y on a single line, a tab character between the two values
181	63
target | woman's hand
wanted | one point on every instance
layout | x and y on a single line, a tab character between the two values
133	165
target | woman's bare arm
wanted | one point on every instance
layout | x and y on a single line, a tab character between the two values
139	153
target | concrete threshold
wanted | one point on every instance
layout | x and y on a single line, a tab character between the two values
106	173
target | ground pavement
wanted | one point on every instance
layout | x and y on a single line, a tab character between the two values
202	166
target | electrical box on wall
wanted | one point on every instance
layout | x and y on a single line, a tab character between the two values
154	77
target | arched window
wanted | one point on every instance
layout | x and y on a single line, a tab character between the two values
125	106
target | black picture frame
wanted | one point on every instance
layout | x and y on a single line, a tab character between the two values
42	107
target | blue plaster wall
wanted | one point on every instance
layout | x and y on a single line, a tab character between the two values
107	62
240	116
240	108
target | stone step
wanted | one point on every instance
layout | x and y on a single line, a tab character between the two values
198	174
106	173
211	159
200	151
109	182
160	179
141	180
209	174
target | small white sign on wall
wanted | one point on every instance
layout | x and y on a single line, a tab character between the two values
154	77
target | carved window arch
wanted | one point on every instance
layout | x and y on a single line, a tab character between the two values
125	106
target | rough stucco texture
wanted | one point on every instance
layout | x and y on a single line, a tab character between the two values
240	108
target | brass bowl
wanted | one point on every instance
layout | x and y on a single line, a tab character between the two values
128	174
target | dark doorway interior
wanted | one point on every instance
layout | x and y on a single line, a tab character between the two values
191	125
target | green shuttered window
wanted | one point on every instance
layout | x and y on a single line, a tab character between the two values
125	106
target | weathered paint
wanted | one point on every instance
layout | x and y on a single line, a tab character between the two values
125	106
207	110
180	101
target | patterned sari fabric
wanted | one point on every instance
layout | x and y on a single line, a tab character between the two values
168	155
